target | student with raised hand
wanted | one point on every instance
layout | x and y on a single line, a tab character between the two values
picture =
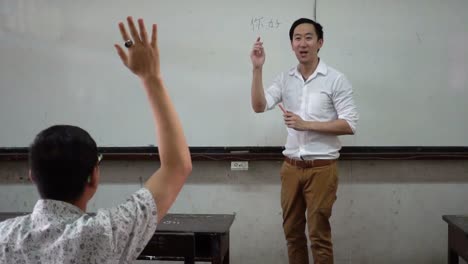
64	165
318	106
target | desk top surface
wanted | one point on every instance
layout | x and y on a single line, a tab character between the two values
196	223
460	221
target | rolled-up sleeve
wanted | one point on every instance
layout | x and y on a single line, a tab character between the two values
273	93
344	102
131	225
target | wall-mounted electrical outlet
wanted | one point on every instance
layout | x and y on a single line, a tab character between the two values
239	165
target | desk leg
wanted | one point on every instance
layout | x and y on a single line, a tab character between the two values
217	250
221	244
226	257
452	257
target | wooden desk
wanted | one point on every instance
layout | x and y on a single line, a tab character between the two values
199	237
186	237
457	238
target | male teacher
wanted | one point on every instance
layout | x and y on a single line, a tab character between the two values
318	106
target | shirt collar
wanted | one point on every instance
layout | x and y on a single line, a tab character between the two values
55	211
321	68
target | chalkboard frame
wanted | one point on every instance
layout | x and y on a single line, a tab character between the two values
266	153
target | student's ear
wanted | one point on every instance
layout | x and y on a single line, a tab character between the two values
93	179
31	177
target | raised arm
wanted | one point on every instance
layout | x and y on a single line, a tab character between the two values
142	58
257	57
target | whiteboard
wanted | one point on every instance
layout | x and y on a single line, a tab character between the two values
408	63
58	66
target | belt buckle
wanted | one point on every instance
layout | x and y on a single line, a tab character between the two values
307	163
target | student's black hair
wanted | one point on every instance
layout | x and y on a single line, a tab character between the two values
61	158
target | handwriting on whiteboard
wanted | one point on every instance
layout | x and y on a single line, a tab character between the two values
264	23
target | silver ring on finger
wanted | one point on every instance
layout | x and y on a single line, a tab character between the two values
128	43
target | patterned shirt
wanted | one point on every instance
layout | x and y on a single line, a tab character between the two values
59	232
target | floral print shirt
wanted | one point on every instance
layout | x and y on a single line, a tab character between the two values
59	232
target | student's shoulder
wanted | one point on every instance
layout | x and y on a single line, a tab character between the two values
141	200
9	225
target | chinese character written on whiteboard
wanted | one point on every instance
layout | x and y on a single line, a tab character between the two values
264	23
